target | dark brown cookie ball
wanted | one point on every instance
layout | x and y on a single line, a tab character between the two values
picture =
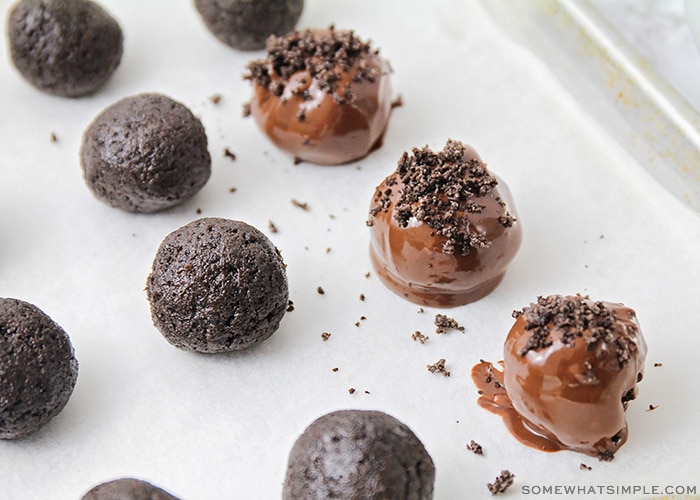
359	454
127	489
38	369
66	48
246	24
145	153
217	285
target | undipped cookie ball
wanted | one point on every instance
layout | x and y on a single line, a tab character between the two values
127	489
68	48
246	24
217	285
145	153
38	369
359	454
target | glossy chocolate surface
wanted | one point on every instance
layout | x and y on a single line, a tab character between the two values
565	396
411	262
321	126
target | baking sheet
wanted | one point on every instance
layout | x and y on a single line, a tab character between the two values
220	427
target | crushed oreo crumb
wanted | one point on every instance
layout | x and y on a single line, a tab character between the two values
198	211
502	483
325	336
215	99
272	227
351	390
324	55
439	189
585	467
444	324
439	367
302	205
232	189
397	103
362	297
320	290
656	365
53	137
475	448
652	407
419	337
229	154
290	306
246	110
335	369
572	317
606	456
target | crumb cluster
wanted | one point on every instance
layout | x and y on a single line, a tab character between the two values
502	483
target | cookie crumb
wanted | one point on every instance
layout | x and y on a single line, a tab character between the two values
421	310
419	337
246	110
335	369
299	204
215	99
368	274
232	189
320	290
439	367
271	226
656	365
199	210
585	467
362	297
351	390
397	103
298	160
290	306
502	483
53	137
229	154
444	324
475	448
367	392
652	407
325	336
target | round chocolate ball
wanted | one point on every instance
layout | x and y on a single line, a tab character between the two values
145	153
38	369
359	454
127	489
66	48
217	285
246	24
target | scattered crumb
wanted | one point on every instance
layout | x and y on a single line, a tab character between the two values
199	210
475	448
298	160
652	407
397	103
502	483
290	306
656	365
357	323
320	290
362	297
444	324
331	216
325	336
271	226
246	110
351	390
585	467
53	137
439	367
328	250
368	274
299	204
602	236
419	337
421	310
367	392
232	189
229	154
335	369
215	99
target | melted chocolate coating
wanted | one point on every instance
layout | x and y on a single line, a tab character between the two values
359	454
65	48
322	126
411	260
568	394
127	489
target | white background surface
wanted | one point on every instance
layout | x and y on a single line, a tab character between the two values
220	427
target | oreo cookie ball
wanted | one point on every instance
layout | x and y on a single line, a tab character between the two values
127	489
246	24
217	285
66	48
145	153
38	369
359	454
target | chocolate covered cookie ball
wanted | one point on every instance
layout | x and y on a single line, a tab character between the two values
145	153
443	228
322	95
571	366
38	369
359	454
217	285
127	489
68	48
246	24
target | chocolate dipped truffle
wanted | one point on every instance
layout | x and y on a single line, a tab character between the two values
38	369
127	489
145	153
359	454
217	285
570	368
322	95
246	24
65	48
442	227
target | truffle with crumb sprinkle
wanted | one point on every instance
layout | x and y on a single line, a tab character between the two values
443	228
322	95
